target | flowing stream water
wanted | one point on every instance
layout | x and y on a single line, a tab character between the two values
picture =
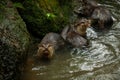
100	61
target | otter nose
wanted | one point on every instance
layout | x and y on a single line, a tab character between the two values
46	50
46	53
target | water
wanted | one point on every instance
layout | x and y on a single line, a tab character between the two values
100	61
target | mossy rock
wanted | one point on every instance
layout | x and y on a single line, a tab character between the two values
43	16
14	41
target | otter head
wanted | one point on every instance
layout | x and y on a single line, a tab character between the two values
82	25
88	7
45	51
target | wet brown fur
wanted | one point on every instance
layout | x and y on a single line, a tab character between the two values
81	26
48	45
100	16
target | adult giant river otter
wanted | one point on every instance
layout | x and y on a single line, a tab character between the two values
75	34
48	45
100	16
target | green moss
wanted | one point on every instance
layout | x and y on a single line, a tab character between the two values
18	5
43	16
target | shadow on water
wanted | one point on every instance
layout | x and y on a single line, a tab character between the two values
101	61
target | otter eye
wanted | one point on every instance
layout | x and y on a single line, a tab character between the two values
41	45
40	48
50	45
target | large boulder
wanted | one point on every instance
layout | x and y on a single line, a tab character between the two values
14	41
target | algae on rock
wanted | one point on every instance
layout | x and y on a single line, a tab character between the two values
43	16
14	41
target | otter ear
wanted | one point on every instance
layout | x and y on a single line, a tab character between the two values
49	45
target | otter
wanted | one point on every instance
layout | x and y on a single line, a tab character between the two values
48	45
81	25
86	9
72	37
76	39
100	16
101	19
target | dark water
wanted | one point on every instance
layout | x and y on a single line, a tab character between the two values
101	61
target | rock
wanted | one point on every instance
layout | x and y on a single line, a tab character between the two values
14	41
